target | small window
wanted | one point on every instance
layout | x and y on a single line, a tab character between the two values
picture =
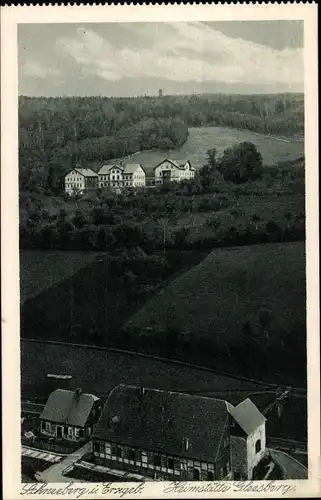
116	450
258	446
132	455
157	460
210	475
96	447
170	463
70	431
43	426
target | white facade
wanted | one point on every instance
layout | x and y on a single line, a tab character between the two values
74	182
79	179
172	170
119	176
256	448
138	177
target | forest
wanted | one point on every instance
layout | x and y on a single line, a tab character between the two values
55	133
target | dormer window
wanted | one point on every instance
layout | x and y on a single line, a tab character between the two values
186	444
114	421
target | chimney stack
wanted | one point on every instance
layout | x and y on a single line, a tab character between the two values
78	392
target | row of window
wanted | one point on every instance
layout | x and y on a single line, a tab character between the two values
74	184
72	179
65	430
123	183
159	461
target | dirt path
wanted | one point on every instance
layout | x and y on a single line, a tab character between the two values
55	474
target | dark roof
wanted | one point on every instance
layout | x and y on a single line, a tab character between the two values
86	172
68	408
160	420
246	414
173	162
149	170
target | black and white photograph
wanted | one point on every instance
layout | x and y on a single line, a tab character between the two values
162	213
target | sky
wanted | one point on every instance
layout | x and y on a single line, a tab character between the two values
118	59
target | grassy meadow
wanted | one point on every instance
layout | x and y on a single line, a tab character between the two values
228	288
200	139
41	270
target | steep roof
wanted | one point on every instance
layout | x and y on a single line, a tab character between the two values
68	408
160	420
246	414
149	170
130	168
86	172
173	162
106	168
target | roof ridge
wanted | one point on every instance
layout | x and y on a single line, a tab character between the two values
164	391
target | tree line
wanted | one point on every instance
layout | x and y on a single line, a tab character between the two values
55	133
148	217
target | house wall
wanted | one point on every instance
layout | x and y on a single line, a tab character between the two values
253	458
163	465
138	178
91	182
115	177
165	166
74	181
223	460
103	180
176	174
68	432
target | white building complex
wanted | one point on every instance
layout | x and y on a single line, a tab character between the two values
121	176
78	180
173	170
130	175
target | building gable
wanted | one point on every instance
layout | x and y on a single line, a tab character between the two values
247	416
165	164
68	407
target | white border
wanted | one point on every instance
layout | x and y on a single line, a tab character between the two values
10	17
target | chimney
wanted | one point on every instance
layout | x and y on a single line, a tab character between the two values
143	391
114	421
78	392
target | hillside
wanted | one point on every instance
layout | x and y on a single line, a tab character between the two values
228	288
219	304
200	139
55	133
41	270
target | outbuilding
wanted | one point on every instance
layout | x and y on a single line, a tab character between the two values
70	415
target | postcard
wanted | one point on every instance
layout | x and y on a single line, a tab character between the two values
160	292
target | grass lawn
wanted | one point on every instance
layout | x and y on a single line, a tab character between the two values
39	269
203	138
228	287
98	371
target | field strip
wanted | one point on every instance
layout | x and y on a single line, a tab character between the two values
163	360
